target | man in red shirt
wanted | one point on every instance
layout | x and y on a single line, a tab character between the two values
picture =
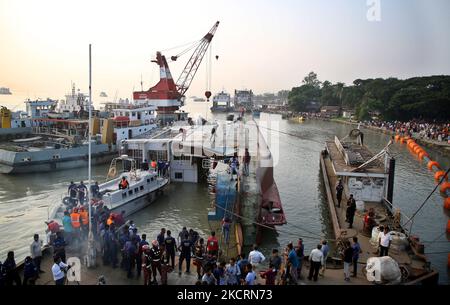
213	244
269	275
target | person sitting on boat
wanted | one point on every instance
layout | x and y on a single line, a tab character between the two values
123	183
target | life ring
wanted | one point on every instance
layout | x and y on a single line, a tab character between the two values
423	154
445	186
439	174
66	200
431	164
447	203
112	172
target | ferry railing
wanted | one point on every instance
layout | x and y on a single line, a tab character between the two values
389	205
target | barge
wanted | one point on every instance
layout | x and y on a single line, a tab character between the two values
370	179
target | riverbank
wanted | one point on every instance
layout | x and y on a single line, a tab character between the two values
442	147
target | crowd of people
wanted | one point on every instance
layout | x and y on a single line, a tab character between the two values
416	128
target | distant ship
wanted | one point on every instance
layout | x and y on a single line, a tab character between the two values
243	99
221	102
103	94
5	91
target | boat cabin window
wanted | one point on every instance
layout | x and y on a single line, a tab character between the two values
130	192
136	190
148	180
151	179
178	175
27	159
124	194
141	187
55	156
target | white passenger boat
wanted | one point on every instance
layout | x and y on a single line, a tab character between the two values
144	186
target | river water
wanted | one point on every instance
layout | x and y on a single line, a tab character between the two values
26	199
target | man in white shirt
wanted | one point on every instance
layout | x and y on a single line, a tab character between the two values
36	252
316	261
58	269
255	257
384	241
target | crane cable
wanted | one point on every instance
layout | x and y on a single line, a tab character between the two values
428	197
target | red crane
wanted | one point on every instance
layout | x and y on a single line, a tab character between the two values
167	95
186	77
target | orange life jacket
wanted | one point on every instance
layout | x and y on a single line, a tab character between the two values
109	221
75	217
124	184
153	164
84	217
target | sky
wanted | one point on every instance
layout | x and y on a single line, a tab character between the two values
262	45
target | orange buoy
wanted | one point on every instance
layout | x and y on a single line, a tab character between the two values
402	140
439	174
432	163
423	154
417	149
445	186
410	142
397	138
447	203
448	226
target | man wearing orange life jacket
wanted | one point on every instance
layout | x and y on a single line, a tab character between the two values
153	164
110	220
123	184
84	219
76	222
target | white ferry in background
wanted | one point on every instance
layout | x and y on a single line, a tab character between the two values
221	102
60	143
5	91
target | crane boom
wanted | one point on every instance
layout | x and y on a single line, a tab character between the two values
186	77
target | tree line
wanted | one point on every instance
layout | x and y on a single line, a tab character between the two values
392	98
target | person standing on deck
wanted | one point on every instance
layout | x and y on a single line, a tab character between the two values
68	228
184	234
59	246
293	264
213	245
339	191
170	245
300	254
155	255
161	238
30	272
226	224
75	217
255	257
246	160
185	254
58	269
233	273
82	190
348	257
36	252
275	260
144	165
141	244
12	275
384	241
199	257
95	190
146	264
269	275
356	251
325	250
351	210
72	191
315	260
250	278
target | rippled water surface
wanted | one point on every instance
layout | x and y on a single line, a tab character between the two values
23	211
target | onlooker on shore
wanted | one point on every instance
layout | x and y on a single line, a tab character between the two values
348	258
356	251
315	260
36	252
